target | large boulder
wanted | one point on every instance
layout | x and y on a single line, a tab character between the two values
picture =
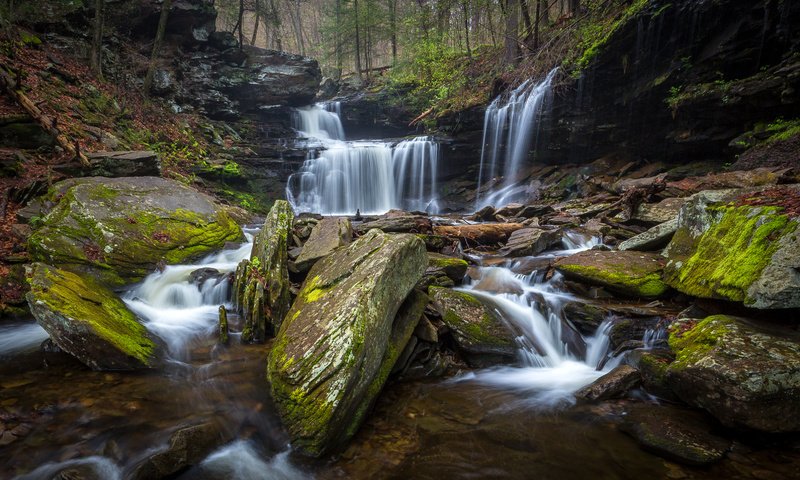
120	229
483	338
330	357
741	246
261	283
89	322
327	235
634	274
743	375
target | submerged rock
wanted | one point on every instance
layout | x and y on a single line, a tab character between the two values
482	336
327	235
334	349
120	229
261	286
634	274
741	246
676	434
89	322
187	446
744	376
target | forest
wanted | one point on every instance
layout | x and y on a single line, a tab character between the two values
291	239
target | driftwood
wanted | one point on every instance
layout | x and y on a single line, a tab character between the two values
483	233
48	123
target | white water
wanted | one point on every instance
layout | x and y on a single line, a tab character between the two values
20	338
100	467
240	460
510	128
179	311
367	176
554	362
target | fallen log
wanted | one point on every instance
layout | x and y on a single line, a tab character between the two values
48	124
482	233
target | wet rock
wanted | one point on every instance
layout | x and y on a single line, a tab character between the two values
427	331
261	286
677	434
89	322
435	243
482	233
614	384
335	348
452	268
745	376
201	275
660	212
530	241
654	239
510	210
481	335
327	235
652	366
120	229
485	214
633	274
404	223
741	246
224	334
586	317
187	446
162	83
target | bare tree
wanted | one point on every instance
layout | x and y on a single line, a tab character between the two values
96	55
162	28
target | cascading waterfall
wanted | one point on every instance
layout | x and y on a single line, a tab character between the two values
510	128
366	176
556	359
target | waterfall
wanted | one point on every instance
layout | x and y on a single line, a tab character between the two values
510	128
556	360
367	176
179	310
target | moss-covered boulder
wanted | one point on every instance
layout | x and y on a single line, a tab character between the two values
629	273
741	246
327	235
329	360
744	376
261	285
444	271
90	322
482	336
119	229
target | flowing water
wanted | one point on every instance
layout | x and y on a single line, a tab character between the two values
342	177
510	129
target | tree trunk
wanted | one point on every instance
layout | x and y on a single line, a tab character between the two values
162	28
512	31
96	56
465	7
241	24
358	42
338	40
545	8
255	28
536	26
526	17
393	28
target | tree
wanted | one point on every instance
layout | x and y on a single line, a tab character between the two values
162	28
96	55
512	31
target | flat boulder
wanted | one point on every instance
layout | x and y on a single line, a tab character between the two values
614	384
740	246
633	274
482	336
744	375
88	321
530	241
120	229
397	222
339	340
653	239
327	235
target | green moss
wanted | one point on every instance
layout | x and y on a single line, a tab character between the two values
731	255
642	284
691	345
469	317
86	301
596	35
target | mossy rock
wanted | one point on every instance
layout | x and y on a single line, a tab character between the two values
483	338
632	274
120	229
90	322
739	246
744	375
261	285
330	356
444	271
